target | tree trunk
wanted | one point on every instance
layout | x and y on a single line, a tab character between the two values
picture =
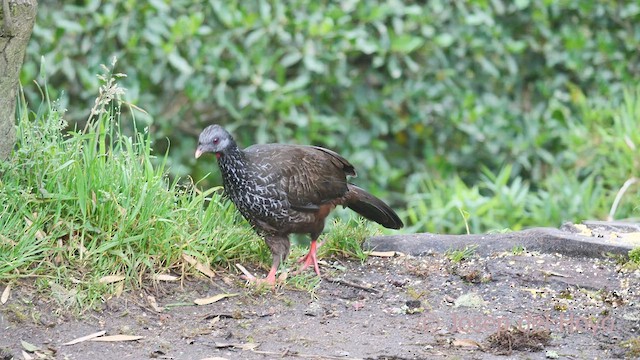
16	24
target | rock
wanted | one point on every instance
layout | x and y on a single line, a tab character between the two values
471	300
314	309
550	354
547	240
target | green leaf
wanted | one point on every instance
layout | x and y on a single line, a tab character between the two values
28	347
445	40
269	85
521	4
179	63
406	43
290	58
69	26
312	63
296	84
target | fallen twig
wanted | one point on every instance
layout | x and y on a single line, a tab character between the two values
245	271
354	285
553	273
308	356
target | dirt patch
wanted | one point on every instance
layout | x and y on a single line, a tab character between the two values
388	308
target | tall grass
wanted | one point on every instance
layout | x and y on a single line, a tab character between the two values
79	205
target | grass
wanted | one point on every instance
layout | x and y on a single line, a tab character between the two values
592	175
518	250
80	205
457	255
634	256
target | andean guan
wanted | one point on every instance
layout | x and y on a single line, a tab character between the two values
285	189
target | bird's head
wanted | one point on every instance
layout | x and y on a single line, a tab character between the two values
214	139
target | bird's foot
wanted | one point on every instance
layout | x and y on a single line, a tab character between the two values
310	259
270	280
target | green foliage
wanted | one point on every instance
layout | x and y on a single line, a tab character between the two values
518	250
457	255
461	112
346	239
634	255
93	202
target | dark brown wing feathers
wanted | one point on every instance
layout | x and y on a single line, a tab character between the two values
312	176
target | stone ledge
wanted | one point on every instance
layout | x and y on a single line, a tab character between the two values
547	240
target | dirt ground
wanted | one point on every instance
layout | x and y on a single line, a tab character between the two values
529	306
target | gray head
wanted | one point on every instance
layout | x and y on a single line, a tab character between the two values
214	139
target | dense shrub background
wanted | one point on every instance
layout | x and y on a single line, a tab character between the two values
506	113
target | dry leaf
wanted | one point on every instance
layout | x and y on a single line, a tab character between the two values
114	338
165	277
382	253
7	241
245	271
245	346
198	265
119	289
39	234
212	299
26	356
190	259
58	259
466	343
214	321
5	294
553	273
154	304
29	347
111	279
85	338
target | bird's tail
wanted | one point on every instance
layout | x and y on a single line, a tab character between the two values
372	208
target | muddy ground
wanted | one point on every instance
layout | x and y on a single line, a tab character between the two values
387	308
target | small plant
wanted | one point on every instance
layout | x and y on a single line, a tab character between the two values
307	282
518	250
465	217
634	256
632	346
457	256
346	238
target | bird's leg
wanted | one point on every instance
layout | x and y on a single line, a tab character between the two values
279	247
271	276
311	258
269	280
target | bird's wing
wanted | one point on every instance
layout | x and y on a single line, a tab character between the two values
309	176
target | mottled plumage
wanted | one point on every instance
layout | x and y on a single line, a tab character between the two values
284	189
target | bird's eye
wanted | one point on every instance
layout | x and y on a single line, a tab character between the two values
216	140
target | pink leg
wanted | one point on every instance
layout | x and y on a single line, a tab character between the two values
271	276
310	259
269	280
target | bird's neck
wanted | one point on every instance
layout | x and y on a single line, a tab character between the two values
232	164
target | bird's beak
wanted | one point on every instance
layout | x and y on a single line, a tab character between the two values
199	152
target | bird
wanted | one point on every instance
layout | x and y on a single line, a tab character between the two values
283	189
